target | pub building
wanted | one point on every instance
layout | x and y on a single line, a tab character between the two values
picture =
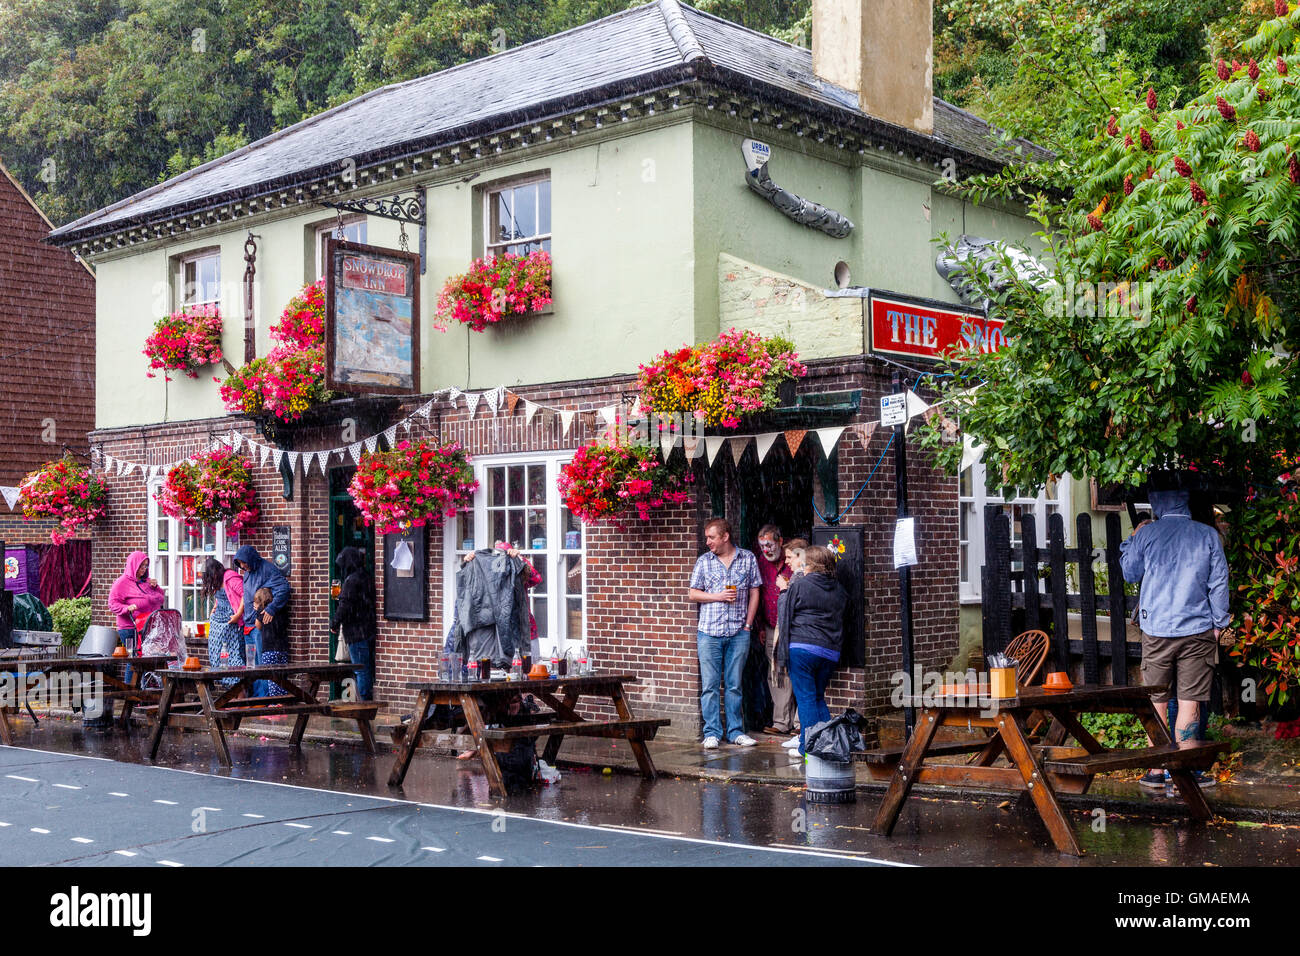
694	176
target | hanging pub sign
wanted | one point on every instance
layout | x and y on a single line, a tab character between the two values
916	328
372	327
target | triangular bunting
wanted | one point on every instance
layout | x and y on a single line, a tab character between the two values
495	397
108	463
266	453
530	409
277	457
236	440
763	443
391	434
916	405
693	447
971	452
453	394
423	410
471	402
794	438
666	443
293	460
829	437
609	413
325	461
10	495
355	451
738	447
566	422
511	401
865	431
371	442
407	425
712	445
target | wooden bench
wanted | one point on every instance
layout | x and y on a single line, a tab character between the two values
1199	757
362	711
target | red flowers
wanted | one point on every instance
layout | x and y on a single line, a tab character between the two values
1251	141
1163	264
1146	139
1128	184
1293	168
1252	70
1281	8
1151	98
608	483
1095	223
1181	167
210	487
1128	140
1112	128
1222	70
495	288
184	341
1198	194
1281	66
65	491
1226	109
1190	304
412	485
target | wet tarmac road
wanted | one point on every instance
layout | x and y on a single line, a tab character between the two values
930	831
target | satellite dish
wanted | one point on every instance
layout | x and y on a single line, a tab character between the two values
756	154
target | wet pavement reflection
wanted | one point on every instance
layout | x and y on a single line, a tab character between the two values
930	831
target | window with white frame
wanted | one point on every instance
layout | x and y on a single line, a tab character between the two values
517	501
518	217
176	559
974	494
198	278
354	230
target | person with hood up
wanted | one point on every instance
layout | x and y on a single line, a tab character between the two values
260	573
354	616
810	625
132	598
1182	609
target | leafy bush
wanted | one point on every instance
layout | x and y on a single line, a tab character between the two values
1115	730
71	618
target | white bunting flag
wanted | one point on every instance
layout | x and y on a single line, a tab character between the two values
293	460
712	445
277	457
11	496
452	394
738	447
637	411
609	413
763	443
693	447
108	463
406	425
391	434
471	402
236	440
354	450
266	453
371	442
423	410
530	409
829	437
566	420
916	405
495	397
325	461
971	452
666	443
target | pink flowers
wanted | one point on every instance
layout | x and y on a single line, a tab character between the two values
609	482
185	341
212	486
495	288
65	491
412	485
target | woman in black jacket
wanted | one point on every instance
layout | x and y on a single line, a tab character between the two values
354	617
811	622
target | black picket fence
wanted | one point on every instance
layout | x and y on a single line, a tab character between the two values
1014	601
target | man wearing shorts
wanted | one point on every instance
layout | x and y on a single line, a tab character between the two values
1183	607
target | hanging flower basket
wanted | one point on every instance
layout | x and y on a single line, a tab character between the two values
412	485
210	487
291	379
719	382
185	341
611	482
494	289
65	491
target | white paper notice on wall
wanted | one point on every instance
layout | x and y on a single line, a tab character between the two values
905	543
403	560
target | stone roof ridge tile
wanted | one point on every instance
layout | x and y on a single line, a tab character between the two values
684	37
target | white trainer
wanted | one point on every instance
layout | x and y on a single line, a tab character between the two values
744	740
792	742
710	743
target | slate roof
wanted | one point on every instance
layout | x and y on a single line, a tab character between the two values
644	48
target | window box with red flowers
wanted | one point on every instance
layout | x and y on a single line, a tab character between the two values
718	383
495	289
614	482
212	486
68	493
185	341
412	485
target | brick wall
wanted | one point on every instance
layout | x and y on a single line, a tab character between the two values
638	618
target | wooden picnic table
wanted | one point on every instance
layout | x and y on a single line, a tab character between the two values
220	707
1040	766
485	702
114	686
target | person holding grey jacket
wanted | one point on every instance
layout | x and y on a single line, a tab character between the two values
1182	608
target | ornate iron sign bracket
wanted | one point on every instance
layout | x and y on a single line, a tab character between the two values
403	209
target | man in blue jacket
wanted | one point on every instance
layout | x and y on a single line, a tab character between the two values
1183	607
260	573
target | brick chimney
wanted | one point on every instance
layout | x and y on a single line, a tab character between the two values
883	50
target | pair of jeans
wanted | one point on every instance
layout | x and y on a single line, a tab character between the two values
809	675
722	660
261	688
362	655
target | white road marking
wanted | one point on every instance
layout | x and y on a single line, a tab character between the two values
167	803
5	824
14	776
299	826
341	832
169	863
380	839
82	840
628	829
254	816
211	809
126	853
67	786
490	859
39	830
114	793
434	849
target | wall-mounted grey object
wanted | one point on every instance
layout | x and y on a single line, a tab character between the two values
803	211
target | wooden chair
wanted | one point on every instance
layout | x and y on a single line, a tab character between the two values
1029	650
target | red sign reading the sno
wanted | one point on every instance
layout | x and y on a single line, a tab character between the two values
915	328
377	275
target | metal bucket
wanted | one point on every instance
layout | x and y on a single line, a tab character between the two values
828	781
98	642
